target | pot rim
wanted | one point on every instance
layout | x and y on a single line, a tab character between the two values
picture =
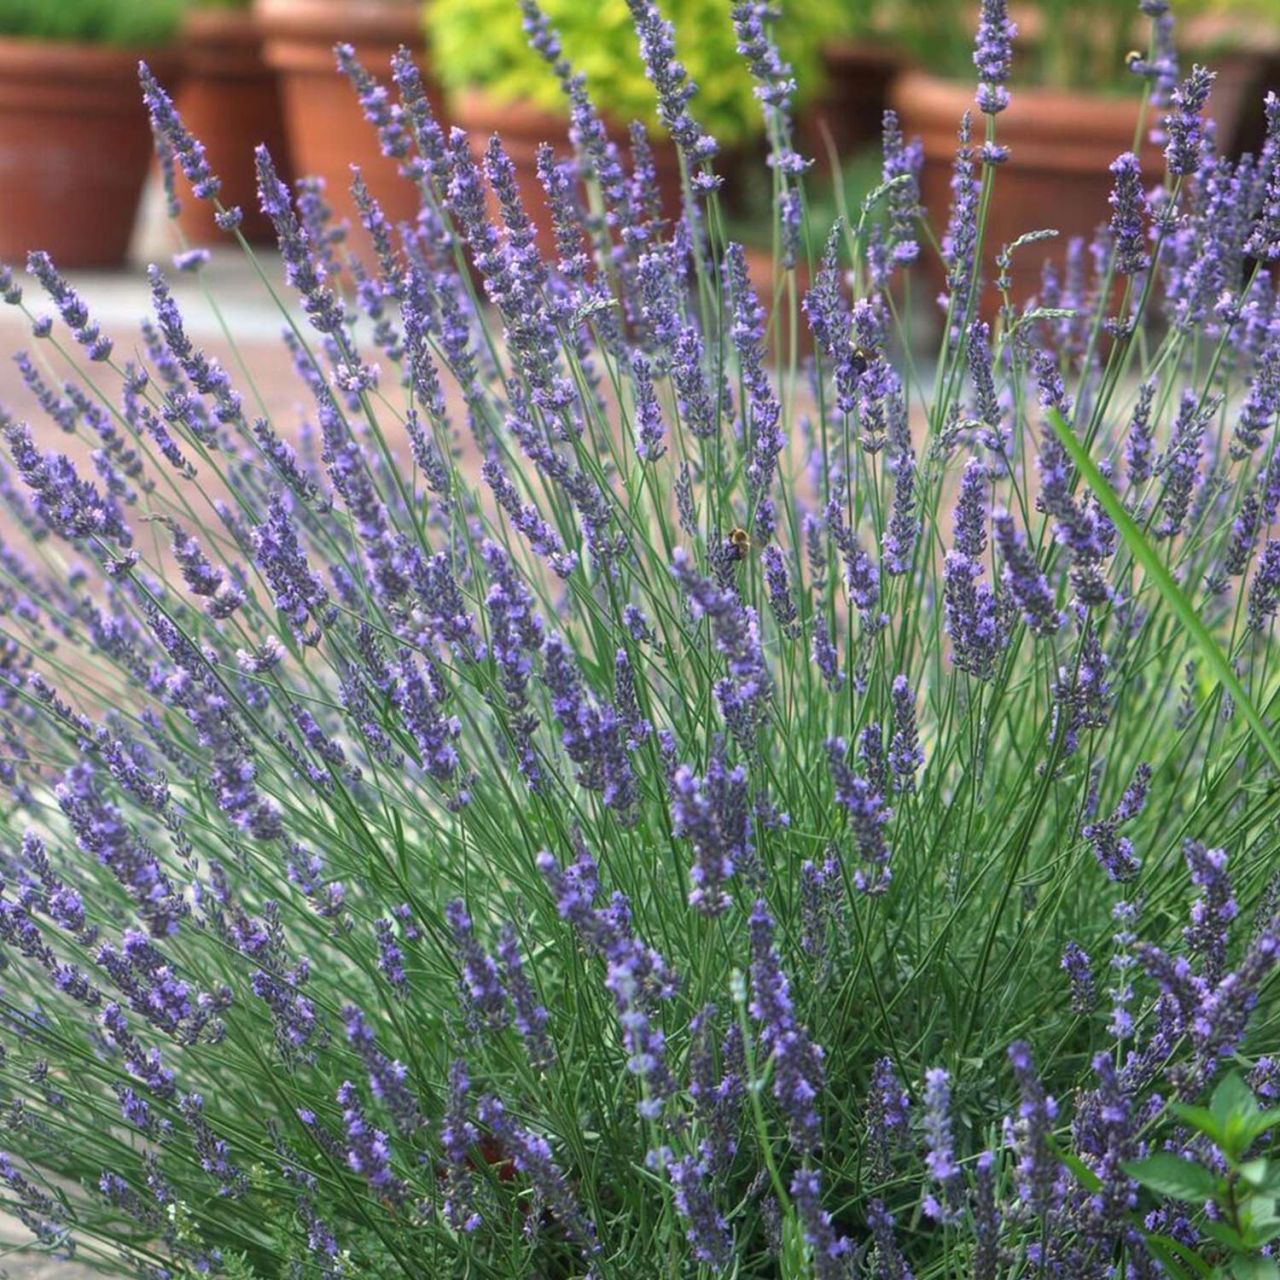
932	105
286	23
40	60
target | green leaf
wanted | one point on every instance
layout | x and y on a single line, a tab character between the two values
1175	1257
1084	1175
1199	1118
1254	1269
1170	1175
1259	1124
1231	1098
1225	1234
1145	555
1255	1172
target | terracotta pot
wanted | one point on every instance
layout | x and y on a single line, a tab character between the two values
75	147
1244	51
230	100
1061	145
1253	123
851	111
326	127
523	128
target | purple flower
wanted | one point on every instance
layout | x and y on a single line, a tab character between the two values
867	815
986	1221
386	1076
1139	441
591	731
1113	851
707	1230
713	814
636	975
299	593
779	585
986	402
898	544
905	753
1075	964
825	656
1128	209
1023	580
993	55
762	411
744	693
649	430
1264	239
419	698
479	985
1082	696
1125	915
831	1250
939	1156
1184	123
1262	398
391	958
458	1136
70	306
717	1096
960	242
861	574
902	164
890	1264
368	1150
674	89
528	1013
544	540
1038	1170
515	636
1213	911
1264	590
888	1114
530	1153
303	268
797	1061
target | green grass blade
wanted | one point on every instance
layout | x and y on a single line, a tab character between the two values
1145	555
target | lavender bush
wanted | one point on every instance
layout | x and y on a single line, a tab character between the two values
661	777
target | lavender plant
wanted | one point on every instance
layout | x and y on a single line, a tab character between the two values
630	789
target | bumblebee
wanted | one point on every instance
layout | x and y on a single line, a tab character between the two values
738	543
862	358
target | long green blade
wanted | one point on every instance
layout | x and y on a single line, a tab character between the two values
1145	555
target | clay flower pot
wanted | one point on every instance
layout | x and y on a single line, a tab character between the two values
326	127
851	110
523	128
230	100
75	147
1061	144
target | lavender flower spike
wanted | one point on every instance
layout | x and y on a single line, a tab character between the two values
993	56
1184	123
174	138
674	89
905	753
1128	207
